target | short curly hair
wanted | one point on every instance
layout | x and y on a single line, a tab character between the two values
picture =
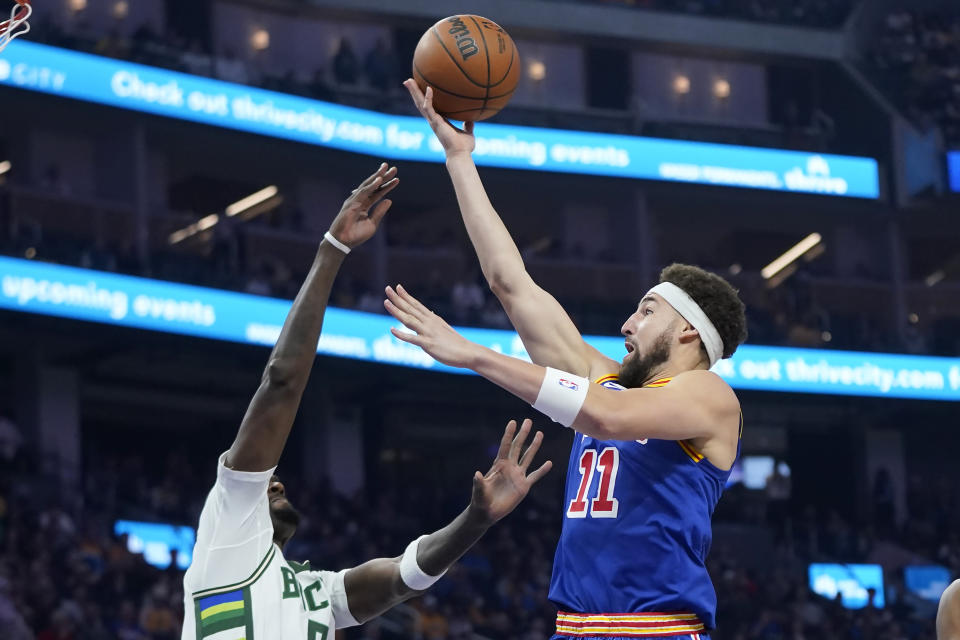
718	299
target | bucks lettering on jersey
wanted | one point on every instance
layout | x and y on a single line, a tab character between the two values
240	587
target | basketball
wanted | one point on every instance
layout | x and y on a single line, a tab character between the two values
472	65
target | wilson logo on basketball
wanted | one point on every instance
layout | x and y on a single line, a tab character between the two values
466	45
471	64
569	384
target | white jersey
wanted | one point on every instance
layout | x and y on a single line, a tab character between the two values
240	587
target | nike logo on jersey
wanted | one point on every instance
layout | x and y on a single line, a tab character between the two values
611	384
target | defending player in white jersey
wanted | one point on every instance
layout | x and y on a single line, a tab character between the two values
240	585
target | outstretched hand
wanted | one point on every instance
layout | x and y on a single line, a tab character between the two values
430	332
505	485
359	218
454	140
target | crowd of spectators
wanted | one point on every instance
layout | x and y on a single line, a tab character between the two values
789	315
824	14
367	76
65	576
377	66
919	53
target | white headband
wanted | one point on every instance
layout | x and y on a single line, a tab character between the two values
692	313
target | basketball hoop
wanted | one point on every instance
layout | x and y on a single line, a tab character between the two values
10	29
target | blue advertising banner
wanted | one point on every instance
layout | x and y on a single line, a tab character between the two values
69	292
926	581
953	169
157	541
117	83
851	581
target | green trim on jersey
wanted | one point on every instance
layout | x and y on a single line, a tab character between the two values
243	583
299	567
248	607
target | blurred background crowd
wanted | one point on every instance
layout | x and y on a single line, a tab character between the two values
99	425
67	576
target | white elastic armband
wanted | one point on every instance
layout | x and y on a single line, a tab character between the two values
411	573
561	396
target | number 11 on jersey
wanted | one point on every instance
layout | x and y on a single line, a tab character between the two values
604	505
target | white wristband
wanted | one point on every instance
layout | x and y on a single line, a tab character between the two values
561	396
339	245
411	573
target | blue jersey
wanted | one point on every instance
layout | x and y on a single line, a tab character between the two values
636	527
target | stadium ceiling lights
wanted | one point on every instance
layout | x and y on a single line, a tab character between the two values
791	255
721	88
191	230
260	39
5	167
253	201
536	70
250	206
949	270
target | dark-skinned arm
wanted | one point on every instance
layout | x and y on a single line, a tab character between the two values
376	586
269	418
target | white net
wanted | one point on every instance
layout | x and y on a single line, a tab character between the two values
17	25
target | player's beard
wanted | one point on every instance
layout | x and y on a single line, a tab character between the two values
636	371
285	515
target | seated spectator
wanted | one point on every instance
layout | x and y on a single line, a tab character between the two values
157	617
345	65
319	88
52	181
230	68
371	302
10	441
433	623
127	626
196	60
112	45
259	282
467	298
11	620
381	66
492	315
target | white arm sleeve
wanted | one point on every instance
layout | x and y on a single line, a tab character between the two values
338	600
235	530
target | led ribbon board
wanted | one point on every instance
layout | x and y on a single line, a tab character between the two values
851	581
953	168
157	540
68	292
926	581
117	83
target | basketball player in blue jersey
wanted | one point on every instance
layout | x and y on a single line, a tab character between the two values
656	434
